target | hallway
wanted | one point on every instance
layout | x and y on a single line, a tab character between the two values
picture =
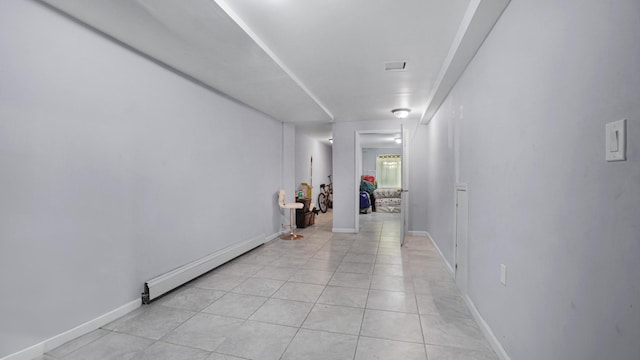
327	296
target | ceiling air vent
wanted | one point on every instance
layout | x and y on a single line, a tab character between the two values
395	65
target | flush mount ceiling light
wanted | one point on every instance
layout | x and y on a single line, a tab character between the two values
400	113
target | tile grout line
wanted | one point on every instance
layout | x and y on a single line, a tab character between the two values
364	312
307	316
415	296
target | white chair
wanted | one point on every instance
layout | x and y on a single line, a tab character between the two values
292	210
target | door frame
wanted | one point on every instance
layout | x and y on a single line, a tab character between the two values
460	283
358	168
404	185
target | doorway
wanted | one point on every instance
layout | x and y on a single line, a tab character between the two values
461	238
369	145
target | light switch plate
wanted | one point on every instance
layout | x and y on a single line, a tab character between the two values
616	140
503	274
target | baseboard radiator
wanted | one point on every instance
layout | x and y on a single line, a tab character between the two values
166	282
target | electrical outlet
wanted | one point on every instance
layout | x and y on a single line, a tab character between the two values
503	274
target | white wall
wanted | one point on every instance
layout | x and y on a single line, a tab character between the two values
418	172
289	167
114	170
306	147
344	209
524	128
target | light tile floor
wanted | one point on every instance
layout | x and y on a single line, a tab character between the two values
327	296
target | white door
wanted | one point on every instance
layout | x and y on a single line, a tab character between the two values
357	170
462	221
404	197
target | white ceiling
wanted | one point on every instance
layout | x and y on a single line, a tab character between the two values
384	140
310	62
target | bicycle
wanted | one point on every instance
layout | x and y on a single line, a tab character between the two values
325	198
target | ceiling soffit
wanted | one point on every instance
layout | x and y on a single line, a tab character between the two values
199	39
306	62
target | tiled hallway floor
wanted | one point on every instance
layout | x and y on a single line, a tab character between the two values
327	296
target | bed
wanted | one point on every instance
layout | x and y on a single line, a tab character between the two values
387	200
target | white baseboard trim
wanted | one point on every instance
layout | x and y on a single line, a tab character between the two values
344	230
491	337
29	353
486	330
91	325
418	233
273	236
440	252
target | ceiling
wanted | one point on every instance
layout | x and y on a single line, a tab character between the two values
383	140
311	62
